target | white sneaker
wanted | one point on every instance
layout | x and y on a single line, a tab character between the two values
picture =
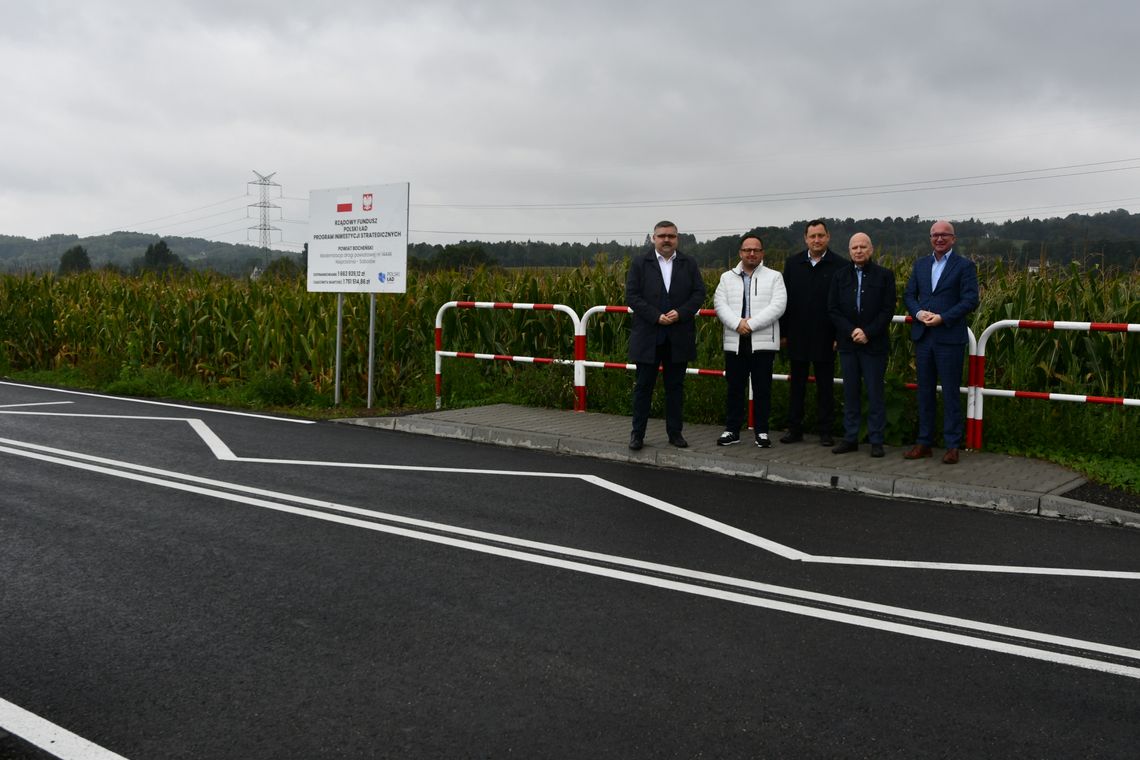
763	441
727	438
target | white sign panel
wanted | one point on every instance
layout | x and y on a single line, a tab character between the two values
358	239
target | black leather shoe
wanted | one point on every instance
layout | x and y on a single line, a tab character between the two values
877	450
679	441
826	440
845	447
791	437
635	442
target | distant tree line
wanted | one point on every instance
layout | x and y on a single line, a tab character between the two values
128	251
1108	239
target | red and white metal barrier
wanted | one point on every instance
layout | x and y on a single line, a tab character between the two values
622	365
968	388
978	371
974	388
579	346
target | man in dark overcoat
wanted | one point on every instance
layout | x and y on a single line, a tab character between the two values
808	334
665	290
861	306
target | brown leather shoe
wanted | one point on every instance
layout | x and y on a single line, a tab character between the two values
950	457
918	451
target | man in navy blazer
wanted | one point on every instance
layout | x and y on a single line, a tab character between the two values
665	290
941	293
861	304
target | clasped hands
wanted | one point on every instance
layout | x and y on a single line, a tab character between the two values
668	317
929	318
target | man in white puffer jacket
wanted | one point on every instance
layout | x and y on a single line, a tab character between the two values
749	302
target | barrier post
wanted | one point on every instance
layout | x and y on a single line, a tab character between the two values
579	376
1036	324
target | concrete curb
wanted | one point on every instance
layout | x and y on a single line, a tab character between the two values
877	484
1071	509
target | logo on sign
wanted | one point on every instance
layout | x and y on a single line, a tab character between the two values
368	201
344	204
380	276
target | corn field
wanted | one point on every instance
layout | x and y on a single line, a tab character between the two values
223	332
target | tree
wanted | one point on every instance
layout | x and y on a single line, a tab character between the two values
74	260
159	258
465	255
283	268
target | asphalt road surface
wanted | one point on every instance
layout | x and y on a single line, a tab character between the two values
180	582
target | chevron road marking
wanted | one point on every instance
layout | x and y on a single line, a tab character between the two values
222	452
49	737
1055	649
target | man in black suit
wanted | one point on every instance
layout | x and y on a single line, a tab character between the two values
665	290
808	332
861	304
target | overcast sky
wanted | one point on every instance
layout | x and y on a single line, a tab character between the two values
564	121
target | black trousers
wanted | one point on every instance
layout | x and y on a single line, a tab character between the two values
739	368
644	380
824	395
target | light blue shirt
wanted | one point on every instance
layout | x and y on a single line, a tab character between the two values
936	269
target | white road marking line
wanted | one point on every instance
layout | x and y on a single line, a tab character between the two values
223	452
199	409
903	628
36	403
211	439
49	737
1012	569
706	522
150	417
846	618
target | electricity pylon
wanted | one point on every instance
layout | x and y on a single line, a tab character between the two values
265	229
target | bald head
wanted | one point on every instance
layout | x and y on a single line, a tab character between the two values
859	248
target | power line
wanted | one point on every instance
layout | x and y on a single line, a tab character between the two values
243	209
162	218
838	192
818	194
1091	205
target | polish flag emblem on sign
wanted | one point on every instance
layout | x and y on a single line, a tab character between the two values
368	201
344	204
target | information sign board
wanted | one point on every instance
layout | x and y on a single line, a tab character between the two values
358	239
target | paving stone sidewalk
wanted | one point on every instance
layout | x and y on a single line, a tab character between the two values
981	479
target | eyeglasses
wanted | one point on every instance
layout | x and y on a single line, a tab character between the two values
752	250
934	235
664	235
